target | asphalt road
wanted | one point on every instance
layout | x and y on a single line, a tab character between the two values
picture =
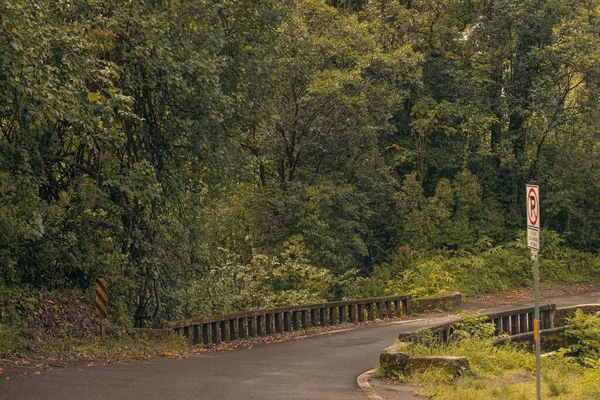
318	367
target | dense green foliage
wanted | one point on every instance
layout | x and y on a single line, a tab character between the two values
584	331
219	155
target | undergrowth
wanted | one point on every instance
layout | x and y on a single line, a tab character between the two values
486	269
507	371
59	325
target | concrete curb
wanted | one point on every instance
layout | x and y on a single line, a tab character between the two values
365	386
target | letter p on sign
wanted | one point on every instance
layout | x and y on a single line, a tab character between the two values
533	217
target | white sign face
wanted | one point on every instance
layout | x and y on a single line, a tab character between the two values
533	206
533	239
533	217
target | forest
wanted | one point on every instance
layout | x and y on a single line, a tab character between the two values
210	156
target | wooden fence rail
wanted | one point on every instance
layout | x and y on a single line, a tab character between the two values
223	328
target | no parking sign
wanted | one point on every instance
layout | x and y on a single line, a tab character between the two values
533	217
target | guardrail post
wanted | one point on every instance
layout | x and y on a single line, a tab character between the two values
233	329
305	320
296	320
225	331
523	320
243	327
187	333
389	309
445	334
530	317
314	316
547	319
397	307
269	323
278	323
196	334
343	314
263	325
216	333
251	326
323	316
361	313
206	333
332	315
514	324
287	321
352	313
505	325
371	314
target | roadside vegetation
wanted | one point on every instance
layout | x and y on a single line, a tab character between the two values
40	329
215	156
490	269
508	371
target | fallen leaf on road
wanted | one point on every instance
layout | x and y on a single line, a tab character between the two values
36	373
8	378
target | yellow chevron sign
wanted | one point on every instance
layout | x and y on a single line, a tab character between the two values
101	298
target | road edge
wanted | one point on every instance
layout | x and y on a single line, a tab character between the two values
365	386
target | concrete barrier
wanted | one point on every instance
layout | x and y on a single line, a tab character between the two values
223	328
392	360
439	303
567	312
510	322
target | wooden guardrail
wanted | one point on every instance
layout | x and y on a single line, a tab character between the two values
222	328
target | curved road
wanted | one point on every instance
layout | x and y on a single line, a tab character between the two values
318	367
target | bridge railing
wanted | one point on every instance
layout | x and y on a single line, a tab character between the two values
511	322
223	328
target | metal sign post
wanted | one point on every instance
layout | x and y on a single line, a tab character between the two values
533	242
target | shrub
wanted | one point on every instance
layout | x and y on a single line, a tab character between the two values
584	329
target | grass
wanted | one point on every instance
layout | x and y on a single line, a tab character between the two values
507	373
560	380
500	372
